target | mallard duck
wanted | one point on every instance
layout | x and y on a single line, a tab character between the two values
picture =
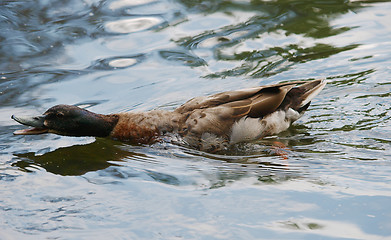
208	123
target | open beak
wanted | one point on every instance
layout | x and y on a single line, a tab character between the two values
37	124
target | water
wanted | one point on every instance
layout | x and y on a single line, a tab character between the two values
112	56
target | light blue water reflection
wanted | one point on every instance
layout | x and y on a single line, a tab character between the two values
119	55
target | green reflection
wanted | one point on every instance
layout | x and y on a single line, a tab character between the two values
77	159
280	22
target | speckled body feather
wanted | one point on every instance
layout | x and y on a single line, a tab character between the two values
214	122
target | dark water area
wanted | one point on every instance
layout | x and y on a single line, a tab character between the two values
333	182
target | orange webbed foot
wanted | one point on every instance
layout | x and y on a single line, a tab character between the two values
279	149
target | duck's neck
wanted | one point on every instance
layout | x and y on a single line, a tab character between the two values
98	125
143	127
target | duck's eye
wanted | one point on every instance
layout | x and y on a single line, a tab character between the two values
59	114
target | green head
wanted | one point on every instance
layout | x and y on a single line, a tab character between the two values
69	121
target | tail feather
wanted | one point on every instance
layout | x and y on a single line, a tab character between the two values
299	98
311	89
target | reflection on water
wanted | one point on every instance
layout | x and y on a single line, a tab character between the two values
74	160
132	25
110	157
326	177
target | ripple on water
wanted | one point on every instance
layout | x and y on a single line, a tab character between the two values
118	62
184	57
128	3
327	228
148	54
132	25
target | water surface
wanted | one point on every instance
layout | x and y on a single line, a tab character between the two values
332	182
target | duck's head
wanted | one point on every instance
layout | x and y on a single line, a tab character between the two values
69	121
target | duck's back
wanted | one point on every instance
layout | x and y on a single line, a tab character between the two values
214	122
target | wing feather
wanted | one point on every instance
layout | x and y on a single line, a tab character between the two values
260	96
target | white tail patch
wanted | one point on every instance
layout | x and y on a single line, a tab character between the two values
249	129
246	129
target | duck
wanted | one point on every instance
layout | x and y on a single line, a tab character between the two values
207	123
